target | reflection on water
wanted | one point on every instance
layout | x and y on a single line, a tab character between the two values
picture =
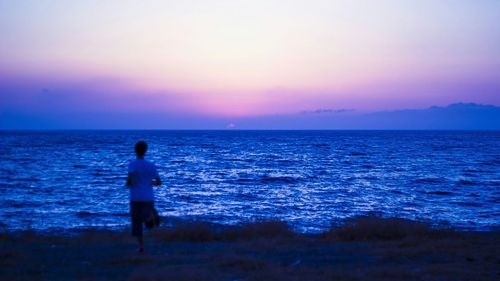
309	178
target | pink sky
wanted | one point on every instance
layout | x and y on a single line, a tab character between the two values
247	58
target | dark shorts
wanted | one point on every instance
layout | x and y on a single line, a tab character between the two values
138	213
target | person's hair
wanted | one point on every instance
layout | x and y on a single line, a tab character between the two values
141	147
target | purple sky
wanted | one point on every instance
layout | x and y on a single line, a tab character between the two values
199	64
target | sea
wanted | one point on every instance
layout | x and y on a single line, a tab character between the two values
68	180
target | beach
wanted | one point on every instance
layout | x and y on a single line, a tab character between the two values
363	248
274	140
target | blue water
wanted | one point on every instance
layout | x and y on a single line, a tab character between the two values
75	179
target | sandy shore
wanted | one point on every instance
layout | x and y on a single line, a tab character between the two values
361	249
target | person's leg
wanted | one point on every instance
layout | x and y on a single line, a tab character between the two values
140	239
136	209
149	215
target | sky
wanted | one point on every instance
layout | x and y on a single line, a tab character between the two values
224	60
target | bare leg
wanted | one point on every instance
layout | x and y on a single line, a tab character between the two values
140	239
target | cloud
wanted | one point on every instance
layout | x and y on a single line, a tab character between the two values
101	95
327	111
456	116
111	103
459	116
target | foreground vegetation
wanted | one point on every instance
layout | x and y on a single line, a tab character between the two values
364	248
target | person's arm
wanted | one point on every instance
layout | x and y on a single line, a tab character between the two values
129	180
157	181
129	175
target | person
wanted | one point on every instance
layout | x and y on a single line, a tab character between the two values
142	175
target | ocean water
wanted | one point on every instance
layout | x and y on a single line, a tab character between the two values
53	180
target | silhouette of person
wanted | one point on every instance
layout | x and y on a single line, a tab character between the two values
142	175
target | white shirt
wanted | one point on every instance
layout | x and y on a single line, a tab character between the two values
143	173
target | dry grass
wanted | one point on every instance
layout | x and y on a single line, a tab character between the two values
377	228
206	232
363	248
187	231
257	230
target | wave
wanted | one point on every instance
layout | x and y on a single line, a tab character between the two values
440	193
464	182
469	204
86	214
493	162
279	179
357	153
245	180
325	145
21	204
30	179
429	180
89	214
358	172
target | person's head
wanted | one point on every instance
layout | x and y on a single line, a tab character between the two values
140	148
